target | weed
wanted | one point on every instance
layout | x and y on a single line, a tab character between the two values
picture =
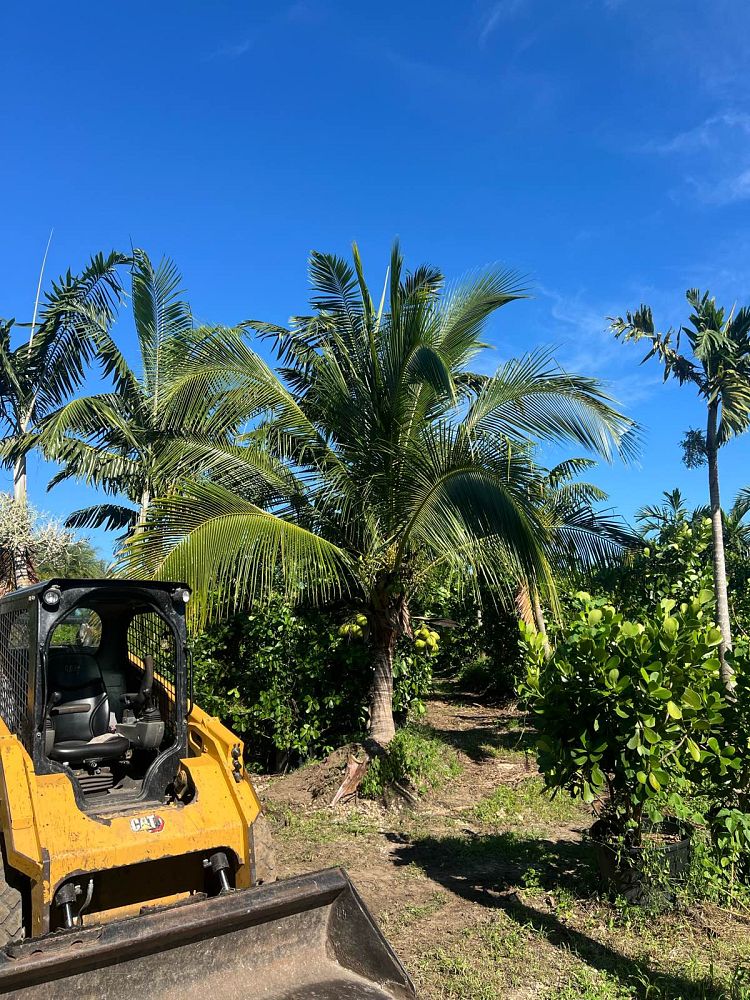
414	756
531	881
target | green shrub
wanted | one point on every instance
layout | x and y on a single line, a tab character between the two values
630	709
728	788
283	680
412	681
416	757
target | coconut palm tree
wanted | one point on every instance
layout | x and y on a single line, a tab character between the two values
719	369
143	436
397	458
40	373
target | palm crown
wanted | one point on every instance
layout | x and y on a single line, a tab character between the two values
40	373
376	455
139	438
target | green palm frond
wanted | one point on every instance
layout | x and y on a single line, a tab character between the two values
113	517
568	469
534	399
75	311
588	539
741	505
468	307
230	550
162	318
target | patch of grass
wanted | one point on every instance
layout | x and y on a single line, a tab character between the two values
524	804
481	963
695	983
320	826
416	757
398	920
587	984
421	910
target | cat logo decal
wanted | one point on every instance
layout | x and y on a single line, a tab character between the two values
147	824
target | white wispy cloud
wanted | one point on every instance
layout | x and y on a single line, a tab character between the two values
232	50
723	190
706	135
496	13
717	154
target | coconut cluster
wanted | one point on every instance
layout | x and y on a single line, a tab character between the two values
354	629
426	640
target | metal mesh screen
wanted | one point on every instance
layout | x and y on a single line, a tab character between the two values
148	633
14	673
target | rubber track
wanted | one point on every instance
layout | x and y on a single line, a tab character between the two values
11	912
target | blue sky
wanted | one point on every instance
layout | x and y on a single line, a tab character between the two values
600	147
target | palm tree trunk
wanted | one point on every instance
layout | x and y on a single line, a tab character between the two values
530	611
717	530
524	605
20	554
541	625
383	637
143	512
19	480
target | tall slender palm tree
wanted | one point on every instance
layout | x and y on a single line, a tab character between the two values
40	373
719	369
142	437
396	457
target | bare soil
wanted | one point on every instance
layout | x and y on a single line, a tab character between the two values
486	889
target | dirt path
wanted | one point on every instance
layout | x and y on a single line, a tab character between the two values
486	888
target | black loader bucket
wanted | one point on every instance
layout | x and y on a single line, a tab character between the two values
310	937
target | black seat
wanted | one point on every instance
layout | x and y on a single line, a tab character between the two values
79	709
86	752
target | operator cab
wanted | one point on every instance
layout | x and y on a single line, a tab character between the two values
114	691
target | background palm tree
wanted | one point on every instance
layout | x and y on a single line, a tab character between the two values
736	527
582	538
720	371
672	512
387	457
38	374
140	438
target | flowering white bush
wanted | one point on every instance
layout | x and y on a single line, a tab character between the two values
42	545
24	529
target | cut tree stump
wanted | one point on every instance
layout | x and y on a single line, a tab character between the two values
353	775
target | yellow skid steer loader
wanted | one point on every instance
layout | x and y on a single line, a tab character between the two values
136	860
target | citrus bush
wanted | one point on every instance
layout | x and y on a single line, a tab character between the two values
675	564
630	709
282	679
